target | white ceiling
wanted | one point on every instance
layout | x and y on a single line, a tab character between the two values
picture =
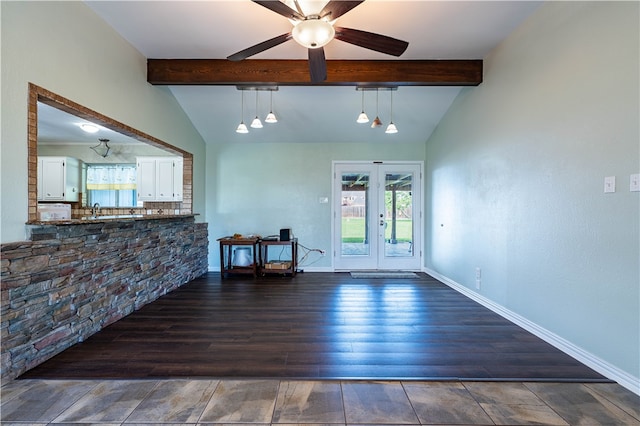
216	29
58	127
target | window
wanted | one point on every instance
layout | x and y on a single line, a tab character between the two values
112	185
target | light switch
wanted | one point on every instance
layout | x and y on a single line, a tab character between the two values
634	183
610	184
323	200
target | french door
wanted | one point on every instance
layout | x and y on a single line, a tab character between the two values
377	212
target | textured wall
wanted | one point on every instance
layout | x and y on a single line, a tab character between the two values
70	281
515	176
260	189
87	62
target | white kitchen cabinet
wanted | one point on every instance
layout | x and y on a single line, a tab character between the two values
156	177
146	178
40	189
58	179
177	179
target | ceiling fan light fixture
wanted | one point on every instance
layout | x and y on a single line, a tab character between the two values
313	32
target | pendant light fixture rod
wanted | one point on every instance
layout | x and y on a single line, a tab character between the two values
376	122
362	118
271	117
242	128
256	123
391	128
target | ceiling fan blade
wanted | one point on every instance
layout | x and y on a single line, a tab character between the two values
337	8
372	41
298	8
281	9
260	47
317	65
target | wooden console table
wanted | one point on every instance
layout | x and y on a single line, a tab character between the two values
226	255
279	266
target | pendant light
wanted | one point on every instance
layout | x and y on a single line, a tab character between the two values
362	118
256	123
271	117
376	121
103	148
242	128
391	128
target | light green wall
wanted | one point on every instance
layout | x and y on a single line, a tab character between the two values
514	171
515	175
260	188
64	47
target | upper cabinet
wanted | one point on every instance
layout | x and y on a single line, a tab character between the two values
58	179
177	179
159	178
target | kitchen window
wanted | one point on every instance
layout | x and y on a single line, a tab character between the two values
112	185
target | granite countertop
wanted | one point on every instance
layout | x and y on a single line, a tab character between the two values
109	218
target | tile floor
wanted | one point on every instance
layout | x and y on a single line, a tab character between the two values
280	402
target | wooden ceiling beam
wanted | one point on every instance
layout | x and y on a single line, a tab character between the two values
296	72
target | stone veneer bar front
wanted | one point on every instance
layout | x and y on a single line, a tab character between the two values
73	279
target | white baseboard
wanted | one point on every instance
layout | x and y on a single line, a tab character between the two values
304	268
316	268
606	369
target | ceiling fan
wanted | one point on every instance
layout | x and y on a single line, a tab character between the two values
315	31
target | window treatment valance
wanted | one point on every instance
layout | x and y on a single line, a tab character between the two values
117	176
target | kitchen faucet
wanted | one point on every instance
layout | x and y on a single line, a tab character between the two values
95	210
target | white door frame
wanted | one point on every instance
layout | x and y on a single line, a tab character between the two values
414	262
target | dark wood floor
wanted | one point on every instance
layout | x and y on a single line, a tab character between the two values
316	325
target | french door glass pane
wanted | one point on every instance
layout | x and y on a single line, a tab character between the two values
398	202
355	218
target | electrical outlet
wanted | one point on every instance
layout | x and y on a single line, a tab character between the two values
478	278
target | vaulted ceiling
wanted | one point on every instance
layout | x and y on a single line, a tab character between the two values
435	30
